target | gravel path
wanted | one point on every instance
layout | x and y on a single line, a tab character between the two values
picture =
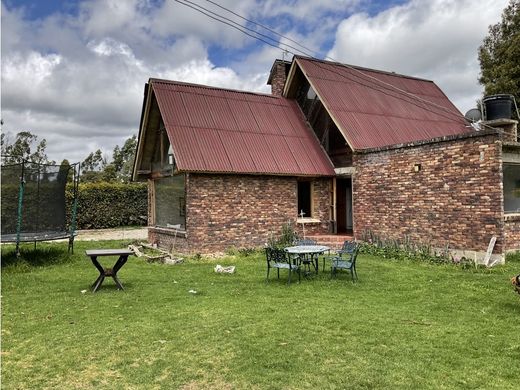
113	234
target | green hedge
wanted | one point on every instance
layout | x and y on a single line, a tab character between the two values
109	205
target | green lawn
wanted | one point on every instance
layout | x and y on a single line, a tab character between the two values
403	325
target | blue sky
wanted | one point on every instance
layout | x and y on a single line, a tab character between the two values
73	72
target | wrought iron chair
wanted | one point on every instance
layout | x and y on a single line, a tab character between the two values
341	263
305	260
278	258
305	241
347	249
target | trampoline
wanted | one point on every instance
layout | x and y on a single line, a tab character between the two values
34	203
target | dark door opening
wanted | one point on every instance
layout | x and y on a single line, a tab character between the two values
344	205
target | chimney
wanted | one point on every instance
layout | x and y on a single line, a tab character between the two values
278	76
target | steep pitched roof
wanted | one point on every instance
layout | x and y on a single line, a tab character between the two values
220	130
374	109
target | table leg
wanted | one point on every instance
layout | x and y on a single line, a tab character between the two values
120	262
101	276
98	283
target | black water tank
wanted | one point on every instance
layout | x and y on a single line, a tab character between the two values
498	106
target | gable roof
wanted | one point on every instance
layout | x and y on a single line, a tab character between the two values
227	131
374	109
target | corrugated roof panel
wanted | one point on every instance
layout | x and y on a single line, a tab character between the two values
377	108
173	107
198	110
233	132
260	151
185	148
284	158
212	150
264	118
237	151
243	116
221	113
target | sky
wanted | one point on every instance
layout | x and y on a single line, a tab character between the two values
73	71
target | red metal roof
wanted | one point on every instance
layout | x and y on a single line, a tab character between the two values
218	130
375	109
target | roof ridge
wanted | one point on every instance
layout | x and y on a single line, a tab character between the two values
363	68
203	86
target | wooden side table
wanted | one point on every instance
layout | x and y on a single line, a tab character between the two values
104	272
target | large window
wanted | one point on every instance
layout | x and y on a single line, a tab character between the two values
170	204
512	188
305	199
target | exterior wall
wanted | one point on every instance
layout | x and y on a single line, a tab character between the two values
512	232
456	196
167	239
242	210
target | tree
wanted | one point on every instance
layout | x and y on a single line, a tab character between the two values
93	166
21	148
124	159
96	168
499	54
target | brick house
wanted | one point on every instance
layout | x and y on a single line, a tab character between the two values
342	149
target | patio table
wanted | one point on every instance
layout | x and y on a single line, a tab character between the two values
308	250
103	272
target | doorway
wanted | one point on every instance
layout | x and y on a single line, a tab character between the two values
344	205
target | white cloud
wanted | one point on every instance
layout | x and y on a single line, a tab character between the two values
434	39
77	79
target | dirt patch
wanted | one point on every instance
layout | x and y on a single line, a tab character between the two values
113	234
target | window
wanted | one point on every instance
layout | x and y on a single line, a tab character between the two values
305	199
512	188
170	204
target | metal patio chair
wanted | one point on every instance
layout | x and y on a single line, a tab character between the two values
347	249
305	260
278	258
340	263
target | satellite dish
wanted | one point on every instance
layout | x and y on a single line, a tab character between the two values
473	115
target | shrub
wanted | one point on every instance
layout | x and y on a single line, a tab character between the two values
108	205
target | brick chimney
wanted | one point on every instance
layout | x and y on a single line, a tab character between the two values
278	76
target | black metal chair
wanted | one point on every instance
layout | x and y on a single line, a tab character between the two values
340	263
347	249
305	241
278	258
305	260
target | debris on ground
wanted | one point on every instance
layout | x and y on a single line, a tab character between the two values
225	270
153	254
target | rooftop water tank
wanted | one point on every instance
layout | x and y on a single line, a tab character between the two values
498	106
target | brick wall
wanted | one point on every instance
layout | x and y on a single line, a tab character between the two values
512	232
241	210
454	197
321	202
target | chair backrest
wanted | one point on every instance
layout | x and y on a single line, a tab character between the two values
349	246
276	255
306	241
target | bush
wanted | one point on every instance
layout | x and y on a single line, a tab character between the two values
108	205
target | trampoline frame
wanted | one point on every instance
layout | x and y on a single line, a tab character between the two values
41	236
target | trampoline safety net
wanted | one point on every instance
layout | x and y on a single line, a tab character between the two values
33	201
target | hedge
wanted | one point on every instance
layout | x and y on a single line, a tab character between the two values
109	205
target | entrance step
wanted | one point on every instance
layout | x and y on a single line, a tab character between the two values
334	241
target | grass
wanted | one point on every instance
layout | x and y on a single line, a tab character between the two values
403	325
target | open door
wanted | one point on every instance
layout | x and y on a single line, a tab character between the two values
344	205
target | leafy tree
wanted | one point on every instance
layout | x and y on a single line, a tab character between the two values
124	159
22	148
95	167
499	54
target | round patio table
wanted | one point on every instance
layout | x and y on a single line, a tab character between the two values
307	253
